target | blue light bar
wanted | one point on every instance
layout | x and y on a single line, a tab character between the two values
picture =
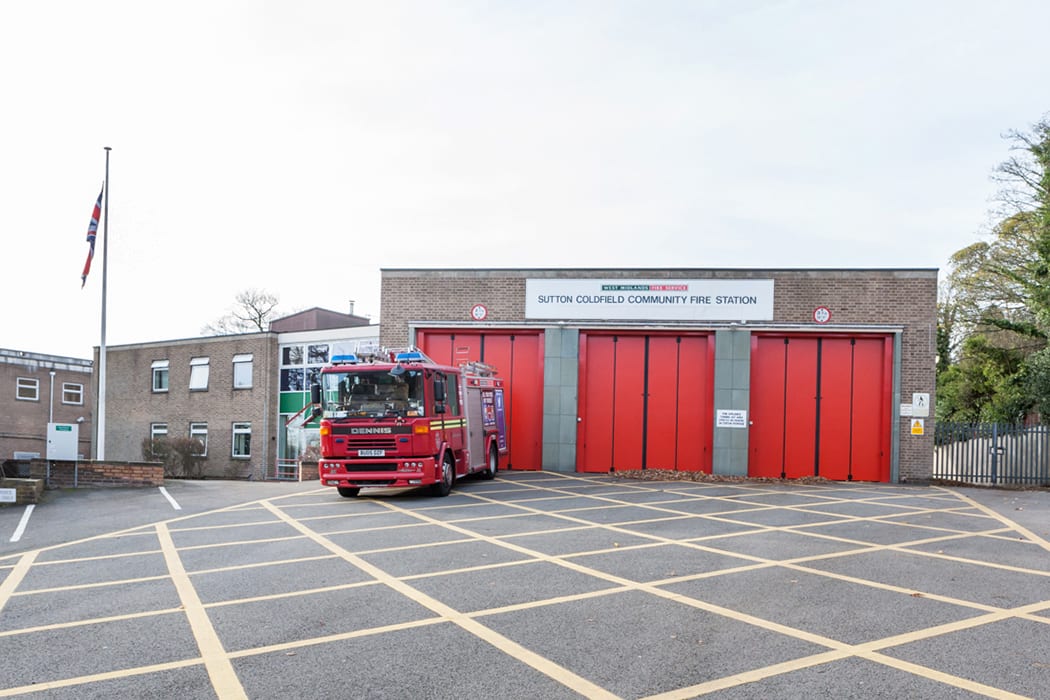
350	359
409	357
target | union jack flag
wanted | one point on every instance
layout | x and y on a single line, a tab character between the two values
92	231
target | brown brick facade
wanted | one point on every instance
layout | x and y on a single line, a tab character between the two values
23	423
132	405
896	301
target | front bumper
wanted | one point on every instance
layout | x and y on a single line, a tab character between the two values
366	473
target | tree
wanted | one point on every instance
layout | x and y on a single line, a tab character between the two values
1025	201
994	307
254	310
181	457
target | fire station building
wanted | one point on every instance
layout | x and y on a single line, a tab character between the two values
783	373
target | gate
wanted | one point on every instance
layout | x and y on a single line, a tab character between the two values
992	453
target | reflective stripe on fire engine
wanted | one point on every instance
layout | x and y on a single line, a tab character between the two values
451	423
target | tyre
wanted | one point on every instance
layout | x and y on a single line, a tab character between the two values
348	492
448	475
493	467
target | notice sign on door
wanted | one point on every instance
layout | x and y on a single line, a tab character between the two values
730	419
918	426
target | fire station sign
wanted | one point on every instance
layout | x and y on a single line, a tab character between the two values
649	300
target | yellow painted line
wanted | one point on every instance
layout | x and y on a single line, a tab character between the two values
341	637
148	529
100	557
261	564
1031	536
946	678
223	678
239	543
91	621
289	594
839	649
508	646
97	678
751	676
14	578
996	615
87	586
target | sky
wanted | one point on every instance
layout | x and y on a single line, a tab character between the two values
300	148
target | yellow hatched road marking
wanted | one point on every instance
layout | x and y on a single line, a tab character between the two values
18	572
223	678
1006	521
504	644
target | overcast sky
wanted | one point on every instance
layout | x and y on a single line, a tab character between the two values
300	147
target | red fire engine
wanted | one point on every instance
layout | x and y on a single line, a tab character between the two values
397	419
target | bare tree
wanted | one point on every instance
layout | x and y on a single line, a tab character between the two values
254	310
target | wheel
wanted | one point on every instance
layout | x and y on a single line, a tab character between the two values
448	475
490	473
348	492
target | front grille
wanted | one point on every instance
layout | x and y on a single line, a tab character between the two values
351	467
376	442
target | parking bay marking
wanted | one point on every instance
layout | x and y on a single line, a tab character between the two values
20	530
172	501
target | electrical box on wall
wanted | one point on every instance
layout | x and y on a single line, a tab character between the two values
62	439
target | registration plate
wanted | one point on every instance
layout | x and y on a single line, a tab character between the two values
371	453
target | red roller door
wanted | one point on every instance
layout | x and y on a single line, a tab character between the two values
820	406
518	358
644	402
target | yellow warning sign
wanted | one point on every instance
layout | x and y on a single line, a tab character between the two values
918	426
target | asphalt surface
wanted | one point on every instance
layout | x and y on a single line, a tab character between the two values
535	585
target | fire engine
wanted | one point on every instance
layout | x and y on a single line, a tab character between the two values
398	419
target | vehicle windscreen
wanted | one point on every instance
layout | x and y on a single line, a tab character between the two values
372	393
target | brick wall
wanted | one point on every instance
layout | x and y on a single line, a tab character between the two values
23	423
132	405
98	474
904	300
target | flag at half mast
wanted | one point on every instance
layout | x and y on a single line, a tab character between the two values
92	232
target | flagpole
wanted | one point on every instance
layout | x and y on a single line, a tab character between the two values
100	422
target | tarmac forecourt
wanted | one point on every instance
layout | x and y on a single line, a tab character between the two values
540	584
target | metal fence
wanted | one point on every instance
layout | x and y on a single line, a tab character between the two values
992	453
287	470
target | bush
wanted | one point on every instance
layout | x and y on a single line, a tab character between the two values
181	457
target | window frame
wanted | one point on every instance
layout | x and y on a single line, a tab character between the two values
244	363
238	429
79	391
200	369
199	430
156	430
160	368
23	383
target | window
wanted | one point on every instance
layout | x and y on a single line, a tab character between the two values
242	440
317	355
452	389
199	374
242	371
160	375
72	393
292	380
199	431
292	355
157	431
27	389
451	395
